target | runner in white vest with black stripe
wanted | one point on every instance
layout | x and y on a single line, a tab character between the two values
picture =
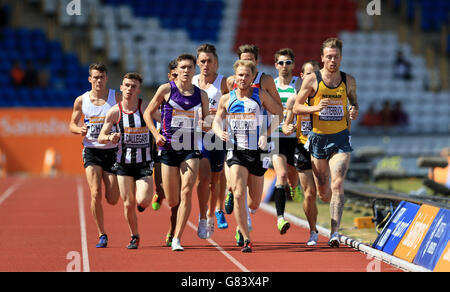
134	165
98	158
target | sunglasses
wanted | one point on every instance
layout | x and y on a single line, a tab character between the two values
288	62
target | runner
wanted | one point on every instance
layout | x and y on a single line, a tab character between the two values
180	101
283	157
98	158
134	163
302	158
243	110
329	141
159	195
212	162
262	81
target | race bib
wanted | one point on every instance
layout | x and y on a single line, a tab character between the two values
184	120
95	125
136	137
332	113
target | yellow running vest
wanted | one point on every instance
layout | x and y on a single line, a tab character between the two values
333	118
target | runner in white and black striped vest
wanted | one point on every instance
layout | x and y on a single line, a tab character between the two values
134	165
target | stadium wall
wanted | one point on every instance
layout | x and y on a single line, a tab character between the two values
26	134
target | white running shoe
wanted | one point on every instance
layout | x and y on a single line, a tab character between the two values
313	238
176	245
209	227
202	230
334	240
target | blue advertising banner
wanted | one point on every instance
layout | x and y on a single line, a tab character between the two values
435	241
394	230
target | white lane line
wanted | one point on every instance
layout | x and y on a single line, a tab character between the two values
84	247
219	248
10	190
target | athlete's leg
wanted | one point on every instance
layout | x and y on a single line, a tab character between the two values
171	184
279	162
127	188
203	193
339	164
112	193
309	203
94	179
188	173
144	190
158	180
238	178
322	176
255	190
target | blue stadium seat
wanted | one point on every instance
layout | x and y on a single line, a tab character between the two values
25	45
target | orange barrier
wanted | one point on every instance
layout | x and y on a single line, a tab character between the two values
443	265
51	162
411	241
25	135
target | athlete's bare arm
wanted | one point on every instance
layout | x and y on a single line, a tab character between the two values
353	100
272	106
106	134
309	86
288	128
230	83
160	96
218	123
76	117
224	86
268	84
207	121
118	96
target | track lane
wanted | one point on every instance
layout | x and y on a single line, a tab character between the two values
40	226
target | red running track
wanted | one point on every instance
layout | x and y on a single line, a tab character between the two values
43	229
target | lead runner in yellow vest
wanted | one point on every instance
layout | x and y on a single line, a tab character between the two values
330	91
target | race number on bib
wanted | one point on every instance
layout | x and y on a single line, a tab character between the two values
332	113
184	120
136	137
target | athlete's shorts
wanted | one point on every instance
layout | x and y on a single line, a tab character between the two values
135	170
105	158
302	158
216	159
286	146
322	146
251	159
175	158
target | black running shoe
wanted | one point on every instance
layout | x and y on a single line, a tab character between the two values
229	203
248	246
134	243
140	209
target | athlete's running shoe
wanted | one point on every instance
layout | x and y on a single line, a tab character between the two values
156	202
229	203
140	208
209	227
202	231
283	225
297	194
169	238
313	238
221	221
239	238
334	240
102	241
176	245
248	246
134	243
